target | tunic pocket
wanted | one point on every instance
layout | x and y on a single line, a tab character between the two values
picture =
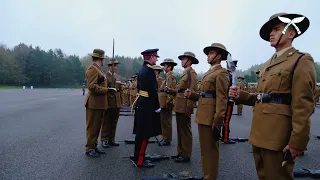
280	80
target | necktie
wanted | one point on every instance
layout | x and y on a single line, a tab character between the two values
273	57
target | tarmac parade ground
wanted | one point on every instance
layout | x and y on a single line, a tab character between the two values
42	136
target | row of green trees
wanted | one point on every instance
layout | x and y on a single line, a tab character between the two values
25	65
32	66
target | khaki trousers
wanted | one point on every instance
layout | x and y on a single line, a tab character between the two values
166	124
93	122
209	152
240	106
269	165
184	134
109	124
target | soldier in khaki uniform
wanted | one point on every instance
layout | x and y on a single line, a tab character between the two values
83	89
158	70
126	94
184	107
111	115
95	102
281	116
133	89
167	101
242	87
317	94
213	99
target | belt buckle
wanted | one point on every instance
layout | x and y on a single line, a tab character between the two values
260	97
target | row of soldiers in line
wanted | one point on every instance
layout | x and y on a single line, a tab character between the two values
281	108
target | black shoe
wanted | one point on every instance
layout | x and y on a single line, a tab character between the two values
176	156
92	153
318	137
182	159
112	143
239	114
229	142
105	144
164	143
99	152
146	164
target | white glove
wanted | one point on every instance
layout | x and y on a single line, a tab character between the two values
158	110
113	89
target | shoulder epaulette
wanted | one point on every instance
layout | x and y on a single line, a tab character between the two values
149	66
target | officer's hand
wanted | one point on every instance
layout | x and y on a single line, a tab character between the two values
187	93
158	110
113	89
234	92
166	88
294	152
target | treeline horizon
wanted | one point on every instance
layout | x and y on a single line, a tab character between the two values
25	65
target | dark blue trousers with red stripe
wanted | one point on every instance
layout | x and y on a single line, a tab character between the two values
140	149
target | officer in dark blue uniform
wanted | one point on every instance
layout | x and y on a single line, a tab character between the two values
147	109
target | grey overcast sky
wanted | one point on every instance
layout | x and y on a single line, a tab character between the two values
173	26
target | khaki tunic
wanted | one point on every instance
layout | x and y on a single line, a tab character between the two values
114	100
211	111
133	91
184	105
159	81
292	122
97	86
167	100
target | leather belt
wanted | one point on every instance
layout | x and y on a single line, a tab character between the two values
274	98
208	95
181	90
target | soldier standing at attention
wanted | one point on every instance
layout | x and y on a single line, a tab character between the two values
133	89
147	109
242	87
96	101
166	101
184	107
83	88
213	99
158	70
111	115
285	102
